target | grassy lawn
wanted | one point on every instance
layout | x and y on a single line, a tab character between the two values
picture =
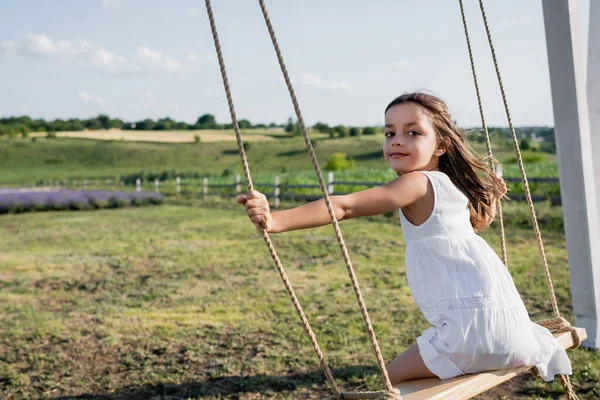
25	160
182	301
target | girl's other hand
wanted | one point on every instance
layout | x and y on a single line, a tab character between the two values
257	208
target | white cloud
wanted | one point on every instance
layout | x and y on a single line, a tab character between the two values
106	61
317	82
112	3
89	55
90	98
206	58
7	47
195	12
401	64
42	45
155	59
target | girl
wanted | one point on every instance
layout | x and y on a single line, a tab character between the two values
445	194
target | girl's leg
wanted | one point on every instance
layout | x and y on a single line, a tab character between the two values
409	365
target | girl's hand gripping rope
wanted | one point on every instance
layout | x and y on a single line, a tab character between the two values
257	208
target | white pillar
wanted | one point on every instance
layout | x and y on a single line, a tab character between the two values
138	185
156	185
178	185
593	89
576	171
330	182
205	189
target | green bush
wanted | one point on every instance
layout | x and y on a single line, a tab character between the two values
525	144
369	130
354	131
51	135
529	158
197	139
339	162
341	130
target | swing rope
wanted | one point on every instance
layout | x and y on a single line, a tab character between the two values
265	235
390	393
556	324
334	222
488	143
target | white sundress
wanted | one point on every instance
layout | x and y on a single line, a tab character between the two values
479	322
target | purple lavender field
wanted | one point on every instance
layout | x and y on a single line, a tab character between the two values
24	200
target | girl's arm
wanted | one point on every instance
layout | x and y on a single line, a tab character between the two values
399	193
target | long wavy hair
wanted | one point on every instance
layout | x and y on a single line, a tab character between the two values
467	170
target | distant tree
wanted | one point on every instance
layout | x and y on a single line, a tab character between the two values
341	130
369	130
354	131
244	124
74	124
57	125
321	127
289	127
525	144
145	125
207	121
104	121
116	124
164	124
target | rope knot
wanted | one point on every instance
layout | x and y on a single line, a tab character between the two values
393	394
560	324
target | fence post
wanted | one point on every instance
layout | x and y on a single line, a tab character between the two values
330	182
156	186
138	184
204	188
276	191
85	183
178	183
107	182
237	186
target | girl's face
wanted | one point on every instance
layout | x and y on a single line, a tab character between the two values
411	143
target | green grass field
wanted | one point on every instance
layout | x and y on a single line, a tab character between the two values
181	301
25	160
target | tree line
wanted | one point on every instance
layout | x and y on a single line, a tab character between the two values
530	137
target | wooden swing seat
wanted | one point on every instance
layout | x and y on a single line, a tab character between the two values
465	387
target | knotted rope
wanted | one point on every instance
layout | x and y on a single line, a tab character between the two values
334	222
557	321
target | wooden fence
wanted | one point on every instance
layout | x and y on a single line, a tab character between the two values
275	190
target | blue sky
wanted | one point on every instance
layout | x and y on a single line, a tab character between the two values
135	59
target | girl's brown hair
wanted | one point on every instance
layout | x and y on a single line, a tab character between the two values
469	172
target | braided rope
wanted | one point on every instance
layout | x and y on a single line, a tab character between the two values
266	238
334	222
561	325
485	129
563	378
393	394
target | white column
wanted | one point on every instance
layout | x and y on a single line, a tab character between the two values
576	171
593	89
